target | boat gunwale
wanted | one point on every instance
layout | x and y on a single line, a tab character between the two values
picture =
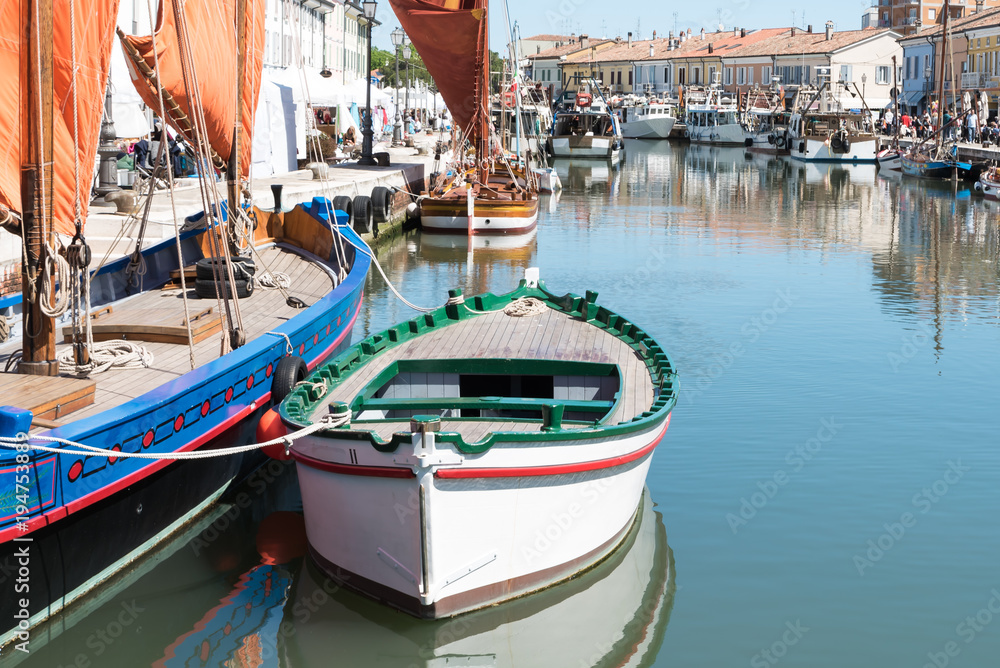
296	410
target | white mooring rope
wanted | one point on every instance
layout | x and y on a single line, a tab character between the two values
329	421
104	355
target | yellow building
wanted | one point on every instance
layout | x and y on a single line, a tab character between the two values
583	64
982	60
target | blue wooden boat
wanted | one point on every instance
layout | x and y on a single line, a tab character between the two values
73	520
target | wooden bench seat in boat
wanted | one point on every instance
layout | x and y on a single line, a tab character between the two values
47	397
165	325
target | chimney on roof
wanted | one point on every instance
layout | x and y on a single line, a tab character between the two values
710	47
654	34
584	40
829	29
809	28
703	33
743	32
630	40
736	31
650	49
979	6
793	31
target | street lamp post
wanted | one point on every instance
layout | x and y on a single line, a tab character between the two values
367	132
398	37
406	56
927	88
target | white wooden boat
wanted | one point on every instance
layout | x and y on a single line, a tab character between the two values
494	447
713	118
888	158
615	614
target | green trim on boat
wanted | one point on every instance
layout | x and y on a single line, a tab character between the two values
303	402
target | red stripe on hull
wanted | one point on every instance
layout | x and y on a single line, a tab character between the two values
556	469
352	469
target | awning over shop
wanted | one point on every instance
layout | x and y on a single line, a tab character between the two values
912	99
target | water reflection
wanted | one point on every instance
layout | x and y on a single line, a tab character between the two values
615	614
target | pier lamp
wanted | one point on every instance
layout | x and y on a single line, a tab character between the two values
367	158
398	37
407	51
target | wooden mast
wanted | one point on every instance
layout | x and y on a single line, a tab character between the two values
483	115
233	175
39	347
895	107
944	45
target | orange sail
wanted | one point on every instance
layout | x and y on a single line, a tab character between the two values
95	24
212	31
451	37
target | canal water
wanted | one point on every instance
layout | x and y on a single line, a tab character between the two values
828	493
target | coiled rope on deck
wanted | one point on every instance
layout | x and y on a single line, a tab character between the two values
104	355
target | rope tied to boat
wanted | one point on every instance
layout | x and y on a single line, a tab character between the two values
105	355
525	307
328	421
288	341
273	280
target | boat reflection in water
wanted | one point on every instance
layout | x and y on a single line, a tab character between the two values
614	614
599	177
432	245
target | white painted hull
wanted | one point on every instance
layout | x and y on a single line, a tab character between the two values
819	150
988	187
719	135
648	128
480	224
889	159
628	597
462	532
585	147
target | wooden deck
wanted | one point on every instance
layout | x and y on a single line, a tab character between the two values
552	335
262	312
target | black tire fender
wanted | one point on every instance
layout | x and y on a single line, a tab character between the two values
242	267
289	372
345	204
206	288
363	217
381	204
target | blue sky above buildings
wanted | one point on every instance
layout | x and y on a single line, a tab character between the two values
601	18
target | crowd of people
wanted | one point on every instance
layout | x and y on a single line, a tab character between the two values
958	126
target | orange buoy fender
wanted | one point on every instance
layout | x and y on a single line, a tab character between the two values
269	428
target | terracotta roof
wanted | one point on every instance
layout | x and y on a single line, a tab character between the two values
724	44
566	49
982	19
785	44
622	51
549	38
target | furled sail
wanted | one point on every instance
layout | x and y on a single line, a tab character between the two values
211	28
95	24
451	36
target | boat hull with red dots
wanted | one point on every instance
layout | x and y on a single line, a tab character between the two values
68	522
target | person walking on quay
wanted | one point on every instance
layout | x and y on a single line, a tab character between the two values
948	129
972	125
904	120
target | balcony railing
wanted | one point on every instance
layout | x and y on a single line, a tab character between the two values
973	80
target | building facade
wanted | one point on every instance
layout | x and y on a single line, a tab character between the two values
909	16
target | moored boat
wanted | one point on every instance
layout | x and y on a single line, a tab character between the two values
589	129
713	117
205	363
647	121
483	192
989	184
455	440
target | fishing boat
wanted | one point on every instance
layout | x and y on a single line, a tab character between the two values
201	365
713	117
821	130
765	122
588	129
480	452
483	192
647	121
888	157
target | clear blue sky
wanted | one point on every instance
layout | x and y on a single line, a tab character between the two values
610	18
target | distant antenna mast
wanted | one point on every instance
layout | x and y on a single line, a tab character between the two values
719	13
604	29
638	29
675	23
